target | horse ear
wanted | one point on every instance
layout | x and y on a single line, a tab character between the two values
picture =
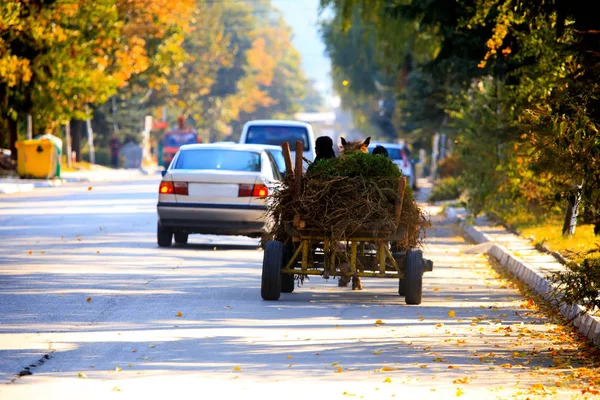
343	141
367	141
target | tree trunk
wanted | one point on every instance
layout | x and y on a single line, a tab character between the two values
76	130
572	212
13	137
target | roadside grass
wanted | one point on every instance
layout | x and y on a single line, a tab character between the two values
577	247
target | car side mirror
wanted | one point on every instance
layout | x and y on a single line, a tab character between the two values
163	172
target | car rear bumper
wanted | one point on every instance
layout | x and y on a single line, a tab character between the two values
215	219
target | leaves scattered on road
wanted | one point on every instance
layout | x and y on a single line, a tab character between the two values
179	314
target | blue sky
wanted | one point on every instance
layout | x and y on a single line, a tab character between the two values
303	16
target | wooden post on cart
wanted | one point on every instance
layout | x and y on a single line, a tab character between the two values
299	160
287	156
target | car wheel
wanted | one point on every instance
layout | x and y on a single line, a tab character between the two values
164	236
181	238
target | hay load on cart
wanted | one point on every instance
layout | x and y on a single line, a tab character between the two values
347	217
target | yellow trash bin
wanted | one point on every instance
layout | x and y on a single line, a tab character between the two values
36	159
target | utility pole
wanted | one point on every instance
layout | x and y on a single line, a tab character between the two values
68	137
29	127
90	137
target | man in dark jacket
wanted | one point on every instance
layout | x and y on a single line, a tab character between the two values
324	150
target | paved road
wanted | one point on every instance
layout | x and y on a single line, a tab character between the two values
89	305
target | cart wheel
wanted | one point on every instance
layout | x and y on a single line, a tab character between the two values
402	287
287	281
270	288
413	277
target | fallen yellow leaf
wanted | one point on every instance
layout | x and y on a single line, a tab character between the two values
451	314
387	380
118	369
377	352
461	380
290	366
459	392
423	366
379	322
422	319
435	289
88	299
89	188
82	375
337	371
179	314
116	389
237	368
387	369
30	252
289	357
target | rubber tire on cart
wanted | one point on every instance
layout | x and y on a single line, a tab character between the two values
287	281
402	287
270	288
181	238
164	236
413	275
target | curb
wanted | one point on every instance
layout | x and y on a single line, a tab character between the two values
10	188
587	324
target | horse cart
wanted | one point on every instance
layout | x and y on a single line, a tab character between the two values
363	252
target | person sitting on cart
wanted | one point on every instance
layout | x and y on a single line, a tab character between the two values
324	150
380	150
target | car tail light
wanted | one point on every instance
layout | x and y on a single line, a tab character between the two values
181	188
247	190
260	191
166	188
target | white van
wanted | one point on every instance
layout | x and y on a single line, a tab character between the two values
273	132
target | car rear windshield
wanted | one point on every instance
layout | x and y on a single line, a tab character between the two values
274	135
228	160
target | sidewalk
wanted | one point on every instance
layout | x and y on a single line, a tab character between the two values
523	260
17	185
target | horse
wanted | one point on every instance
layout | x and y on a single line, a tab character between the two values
348	147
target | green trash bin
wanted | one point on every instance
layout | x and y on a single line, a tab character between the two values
58	144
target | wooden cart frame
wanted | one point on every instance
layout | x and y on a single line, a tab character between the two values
364	253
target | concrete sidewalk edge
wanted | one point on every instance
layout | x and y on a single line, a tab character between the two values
588	324
16	185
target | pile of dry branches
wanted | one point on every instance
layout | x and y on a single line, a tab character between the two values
338	207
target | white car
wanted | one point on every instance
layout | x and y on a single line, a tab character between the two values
273	132
215	189
398	153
